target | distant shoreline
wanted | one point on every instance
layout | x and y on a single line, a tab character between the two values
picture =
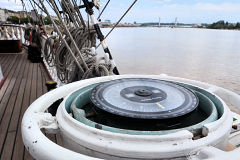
173	27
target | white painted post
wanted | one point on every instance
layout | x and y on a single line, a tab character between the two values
18	34
22	38
6	32
13	34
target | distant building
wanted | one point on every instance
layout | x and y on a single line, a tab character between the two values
197	25
5	13
2	15
22	14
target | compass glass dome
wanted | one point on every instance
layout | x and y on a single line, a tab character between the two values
144	98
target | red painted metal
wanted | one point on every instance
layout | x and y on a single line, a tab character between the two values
2	82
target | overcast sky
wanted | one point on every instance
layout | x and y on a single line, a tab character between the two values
187	11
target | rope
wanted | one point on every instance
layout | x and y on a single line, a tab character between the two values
103	9
119	20
35	10
25	9
49	52
69	64
67	69
85	41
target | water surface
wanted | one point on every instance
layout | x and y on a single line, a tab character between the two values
211	56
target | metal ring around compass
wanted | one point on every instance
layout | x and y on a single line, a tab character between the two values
144	98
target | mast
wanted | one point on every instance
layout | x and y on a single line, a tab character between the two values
159	22
176	22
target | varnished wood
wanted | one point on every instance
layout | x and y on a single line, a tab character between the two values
25	81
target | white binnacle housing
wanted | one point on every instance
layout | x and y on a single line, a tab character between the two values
84	142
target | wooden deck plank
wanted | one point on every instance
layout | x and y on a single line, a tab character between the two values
3	59
8	77
19	146
24	83
10	82
33	94
18	106
9	63
9	107
39	91
9	145
44	79
15	117
40	81
33	97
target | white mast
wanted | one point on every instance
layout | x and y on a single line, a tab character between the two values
159	22
176	21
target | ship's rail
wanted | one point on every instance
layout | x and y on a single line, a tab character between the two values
18	32
50	66
13	32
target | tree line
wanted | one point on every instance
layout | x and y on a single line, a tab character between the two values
224	25
25	20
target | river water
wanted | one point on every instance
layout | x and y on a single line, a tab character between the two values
211	56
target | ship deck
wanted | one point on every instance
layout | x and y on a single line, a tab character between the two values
25	82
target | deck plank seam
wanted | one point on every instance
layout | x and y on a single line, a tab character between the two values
11	82
21	108
25	105
7	81
13	98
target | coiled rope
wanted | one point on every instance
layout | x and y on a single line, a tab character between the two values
67	69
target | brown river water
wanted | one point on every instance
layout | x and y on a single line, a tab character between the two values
211	56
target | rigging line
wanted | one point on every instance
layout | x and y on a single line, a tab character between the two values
74	13
103	9
119	21
59	3
25	8
37	5
50	4
36	11
68	11
41	15
79	14
73	42
56	5
61	36
28	7
40	9
64	16
89	27
54	11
